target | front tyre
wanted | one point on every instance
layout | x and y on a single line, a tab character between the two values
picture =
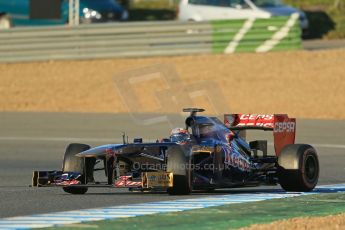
177	163
298	168
84	166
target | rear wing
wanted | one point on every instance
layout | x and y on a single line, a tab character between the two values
283	127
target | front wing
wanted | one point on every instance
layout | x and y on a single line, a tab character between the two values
148	180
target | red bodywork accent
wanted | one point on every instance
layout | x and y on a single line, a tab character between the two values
68	182
109	152
126	181
283	127
284	132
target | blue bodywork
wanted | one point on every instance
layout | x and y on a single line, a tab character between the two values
233	165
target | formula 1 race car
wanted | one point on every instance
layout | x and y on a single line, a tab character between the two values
207	154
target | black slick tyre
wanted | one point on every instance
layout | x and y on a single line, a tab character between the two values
84	166
176	163
298	168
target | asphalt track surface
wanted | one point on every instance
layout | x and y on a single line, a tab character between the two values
36	141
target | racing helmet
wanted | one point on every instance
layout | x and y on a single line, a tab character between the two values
179	136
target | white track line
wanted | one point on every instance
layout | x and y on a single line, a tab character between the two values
132	210
317	145
329	146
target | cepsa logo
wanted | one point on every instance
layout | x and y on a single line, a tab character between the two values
280	127
261	120
256	117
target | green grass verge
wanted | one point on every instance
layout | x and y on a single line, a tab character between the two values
232	216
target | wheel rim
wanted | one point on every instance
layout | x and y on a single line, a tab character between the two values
311	170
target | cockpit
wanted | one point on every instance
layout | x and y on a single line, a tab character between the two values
206	127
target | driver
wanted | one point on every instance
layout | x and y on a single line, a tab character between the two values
180	136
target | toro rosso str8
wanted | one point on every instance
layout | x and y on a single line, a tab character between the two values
207	154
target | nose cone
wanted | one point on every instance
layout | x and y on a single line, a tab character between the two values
99	151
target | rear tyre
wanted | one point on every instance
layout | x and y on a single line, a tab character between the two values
177	164
298	169
84	166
